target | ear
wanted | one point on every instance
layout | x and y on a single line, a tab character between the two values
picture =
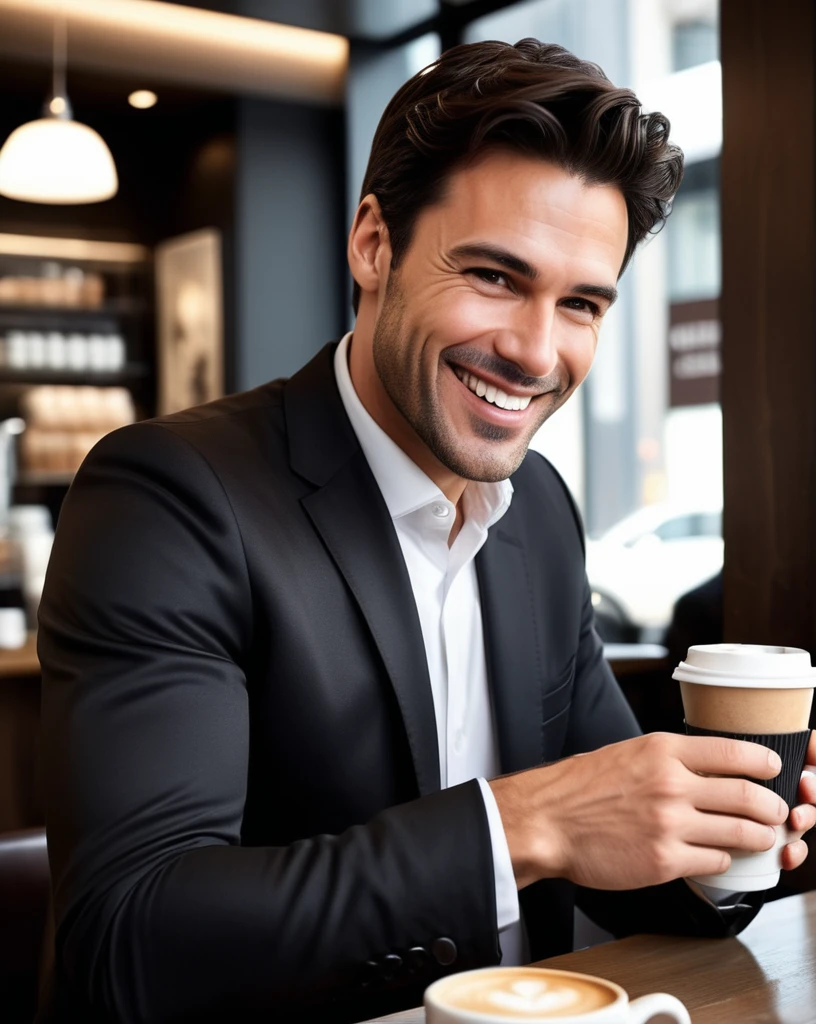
369	247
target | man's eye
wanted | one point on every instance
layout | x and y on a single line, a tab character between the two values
583	306
494	277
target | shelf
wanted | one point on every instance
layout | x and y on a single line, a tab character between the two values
84	378
123	306
43	478
75	249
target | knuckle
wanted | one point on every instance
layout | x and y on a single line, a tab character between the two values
657	744
739	834
668	781
747	793
666	817
662	859
731	752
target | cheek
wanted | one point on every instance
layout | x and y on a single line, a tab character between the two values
578	352
464	315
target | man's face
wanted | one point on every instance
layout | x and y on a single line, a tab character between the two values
491	320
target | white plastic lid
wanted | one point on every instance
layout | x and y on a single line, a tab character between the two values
747	665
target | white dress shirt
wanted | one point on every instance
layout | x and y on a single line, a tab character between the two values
445	588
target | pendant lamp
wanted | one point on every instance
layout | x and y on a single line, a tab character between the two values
56	159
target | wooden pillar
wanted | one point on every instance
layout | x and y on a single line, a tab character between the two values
769	320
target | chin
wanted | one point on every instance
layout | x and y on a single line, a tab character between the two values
476	467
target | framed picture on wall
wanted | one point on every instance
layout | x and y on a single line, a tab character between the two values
190	338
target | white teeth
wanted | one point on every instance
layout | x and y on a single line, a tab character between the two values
491	393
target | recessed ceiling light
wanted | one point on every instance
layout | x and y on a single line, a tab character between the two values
143	99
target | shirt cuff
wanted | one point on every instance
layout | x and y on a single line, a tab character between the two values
507	903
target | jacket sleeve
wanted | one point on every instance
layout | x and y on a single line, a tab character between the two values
161	914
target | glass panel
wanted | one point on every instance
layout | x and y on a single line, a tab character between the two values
694	246
694	42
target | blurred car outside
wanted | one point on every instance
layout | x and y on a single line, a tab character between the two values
640	567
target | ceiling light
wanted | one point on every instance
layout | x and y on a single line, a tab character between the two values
143	99
148	41
56	159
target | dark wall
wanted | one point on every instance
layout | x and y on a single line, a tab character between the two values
290	236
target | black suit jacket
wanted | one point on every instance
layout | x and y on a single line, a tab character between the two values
242	772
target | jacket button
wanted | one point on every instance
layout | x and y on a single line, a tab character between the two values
369	974
417	957
444	951
390	966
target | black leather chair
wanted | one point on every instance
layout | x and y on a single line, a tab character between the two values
24	911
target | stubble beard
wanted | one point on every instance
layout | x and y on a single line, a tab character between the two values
415	398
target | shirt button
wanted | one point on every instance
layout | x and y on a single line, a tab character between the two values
441	511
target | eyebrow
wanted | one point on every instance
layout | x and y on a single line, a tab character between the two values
496	254
505	258
600	291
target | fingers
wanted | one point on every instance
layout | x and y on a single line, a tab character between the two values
807	788
704	860
726	832
793	855
716	755
739	798
803	818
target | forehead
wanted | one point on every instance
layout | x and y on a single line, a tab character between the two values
531	206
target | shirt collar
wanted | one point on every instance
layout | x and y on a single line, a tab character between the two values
402	483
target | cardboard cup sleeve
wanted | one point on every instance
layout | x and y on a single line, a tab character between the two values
791	747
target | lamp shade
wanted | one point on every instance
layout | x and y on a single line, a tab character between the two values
57	160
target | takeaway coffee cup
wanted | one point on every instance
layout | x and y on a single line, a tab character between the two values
496	995
762	694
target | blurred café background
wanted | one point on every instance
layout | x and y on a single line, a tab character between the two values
176	182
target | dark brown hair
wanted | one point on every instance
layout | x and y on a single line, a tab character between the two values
535	97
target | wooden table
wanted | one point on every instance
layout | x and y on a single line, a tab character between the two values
766	976
20	661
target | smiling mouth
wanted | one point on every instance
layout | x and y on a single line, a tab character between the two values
490	393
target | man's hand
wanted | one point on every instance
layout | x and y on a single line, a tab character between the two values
803	816
645	811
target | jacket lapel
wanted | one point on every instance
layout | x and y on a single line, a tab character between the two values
513	646
350	515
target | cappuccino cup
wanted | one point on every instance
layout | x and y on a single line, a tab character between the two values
757	693
537	995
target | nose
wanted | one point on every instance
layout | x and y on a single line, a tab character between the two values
532	341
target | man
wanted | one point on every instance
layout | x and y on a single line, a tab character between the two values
288	636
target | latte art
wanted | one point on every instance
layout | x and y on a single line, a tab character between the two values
535	997
527	994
